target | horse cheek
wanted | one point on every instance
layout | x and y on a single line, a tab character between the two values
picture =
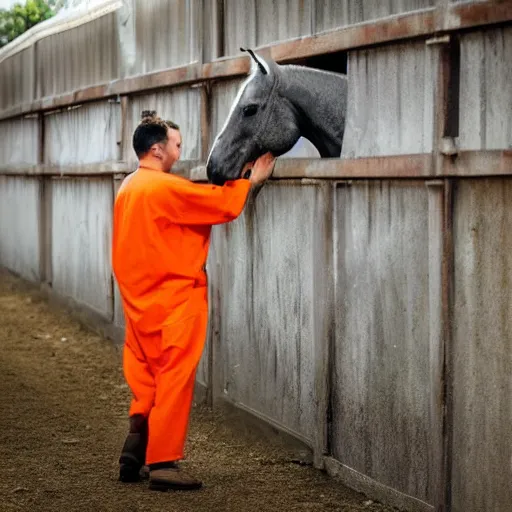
286	139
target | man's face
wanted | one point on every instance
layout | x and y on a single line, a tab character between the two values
172	149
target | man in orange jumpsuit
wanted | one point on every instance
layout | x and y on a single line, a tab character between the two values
161	238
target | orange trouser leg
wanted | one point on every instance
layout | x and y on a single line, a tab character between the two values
137	370
174	372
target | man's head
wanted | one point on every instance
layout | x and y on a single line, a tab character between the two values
157	141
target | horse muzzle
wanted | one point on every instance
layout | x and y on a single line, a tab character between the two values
214	176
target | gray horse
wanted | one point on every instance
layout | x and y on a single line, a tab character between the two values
274	107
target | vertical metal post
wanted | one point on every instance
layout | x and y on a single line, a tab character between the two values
323	319
213	277
446	99
440	280
213	329
446	114
216	279
123	135
447	318
45	211
117	179
221	43
441	86
206	116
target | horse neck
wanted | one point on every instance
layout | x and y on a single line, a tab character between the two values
319	100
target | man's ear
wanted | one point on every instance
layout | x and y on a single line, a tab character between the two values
156	151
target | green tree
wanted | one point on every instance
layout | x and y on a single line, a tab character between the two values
18	19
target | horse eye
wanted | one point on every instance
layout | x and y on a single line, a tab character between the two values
250	110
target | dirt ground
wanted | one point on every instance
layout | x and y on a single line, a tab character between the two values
63	404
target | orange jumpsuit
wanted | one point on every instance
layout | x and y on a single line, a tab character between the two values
161	237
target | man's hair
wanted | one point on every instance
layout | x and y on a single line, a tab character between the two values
151	130
172	125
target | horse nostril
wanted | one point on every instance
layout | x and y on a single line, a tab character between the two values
217	178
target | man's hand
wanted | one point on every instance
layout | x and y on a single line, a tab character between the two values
262	169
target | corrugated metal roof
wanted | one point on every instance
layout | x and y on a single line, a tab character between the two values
86	55
17	78
64	20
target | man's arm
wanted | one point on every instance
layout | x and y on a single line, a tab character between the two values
184	202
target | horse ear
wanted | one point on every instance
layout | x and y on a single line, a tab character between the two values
262	67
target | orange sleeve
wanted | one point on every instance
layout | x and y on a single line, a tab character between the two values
186	202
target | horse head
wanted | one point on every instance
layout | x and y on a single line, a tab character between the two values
260	120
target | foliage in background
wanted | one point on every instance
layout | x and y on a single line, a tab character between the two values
21	17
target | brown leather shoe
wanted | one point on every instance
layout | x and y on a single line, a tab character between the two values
167	479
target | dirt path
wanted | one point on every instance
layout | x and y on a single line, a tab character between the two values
63	407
